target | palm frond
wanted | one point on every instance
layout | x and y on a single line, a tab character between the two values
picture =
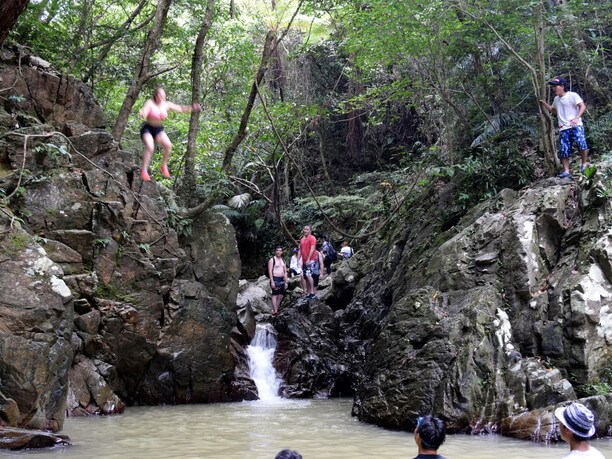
227	211
499	123
240	201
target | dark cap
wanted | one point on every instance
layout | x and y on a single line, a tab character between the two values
295	250
558	82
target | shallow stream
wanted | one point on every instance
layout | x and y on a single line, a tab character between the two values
321	429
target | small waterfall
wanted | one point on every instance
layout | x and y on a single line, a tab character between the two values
261	353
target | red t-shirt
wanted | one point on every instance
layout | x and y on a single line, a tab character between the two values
305	244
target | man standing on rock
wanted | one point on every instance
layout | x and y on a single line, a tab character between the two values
429	434
308	246
568	107
577	426
277	272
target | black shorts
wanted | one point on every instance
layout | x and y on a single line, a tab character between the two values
279	286
153	130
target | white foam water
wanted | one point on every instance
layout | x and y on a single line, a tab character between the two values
261	355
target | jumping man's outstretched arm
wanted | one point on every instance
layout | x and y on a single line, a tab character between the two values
171	106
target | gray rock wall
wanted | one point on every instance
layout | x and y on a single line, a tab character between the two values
36	323
132	304
506	316
490	324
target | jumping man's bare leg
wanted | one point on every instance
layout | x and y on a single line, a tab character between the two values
147	140
164	141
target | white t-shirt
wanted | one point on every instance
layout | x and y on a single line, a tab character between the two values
346	251
567	109
592	453
293	264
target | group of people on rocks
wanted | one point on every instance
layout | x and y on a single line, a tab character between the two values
307	261
576	426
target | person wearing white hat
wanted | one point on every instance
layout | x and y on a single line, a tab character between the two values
577	426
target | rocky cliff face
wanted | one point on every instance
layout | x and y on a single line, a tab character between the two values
507	315
108	297
489	324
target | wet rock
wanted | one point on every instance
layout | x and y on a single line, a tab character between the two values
542	426
484	368
19	439
307	356
89	393
189	366
246	321
36	322
9	411
89	322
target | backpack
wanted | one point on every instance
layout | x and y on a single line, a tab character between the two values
330	252
266	267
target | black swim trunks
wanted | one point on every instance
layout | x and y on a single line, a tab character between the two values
279	284
153	130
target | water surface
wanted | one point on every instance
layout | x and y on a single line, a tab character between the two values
322	429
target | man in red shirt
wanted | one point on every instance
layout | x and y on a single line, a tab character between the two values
308	245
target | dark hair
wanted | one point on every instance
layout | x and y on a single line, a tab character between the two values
578	437
288	454
278	247
432	431
156	92
325	237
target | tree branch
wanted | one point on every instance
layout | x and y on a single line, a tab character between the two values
244	120
335	228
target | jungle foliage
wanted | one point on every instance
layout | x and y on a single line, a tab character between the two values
350	87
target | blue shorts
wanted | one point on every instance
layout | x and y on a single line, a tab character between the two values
279	286
568	137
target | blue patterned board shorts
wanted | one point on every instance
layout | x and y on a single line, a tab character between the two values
567	137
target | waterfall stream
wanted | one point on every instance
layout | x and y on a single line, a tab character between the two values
261	354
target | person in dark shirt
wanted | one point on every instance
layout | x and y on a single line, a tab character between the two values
429	434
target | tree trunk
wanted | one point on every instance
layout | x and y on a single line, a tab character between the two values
143	72
288	188
276	74
321	135
84	30
241	134
188	183
123	30
540	90
537	75
9	12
